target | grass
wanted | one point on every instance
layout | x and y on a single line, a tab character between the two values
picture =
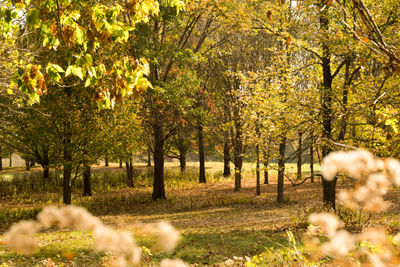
216	223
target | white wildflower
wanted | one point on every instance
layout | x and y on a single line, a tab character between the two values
374	236
167	236
361	194
376	204
173	263
20	237
49	216
378	182
340	244
392	167
355	163
328	222
117	262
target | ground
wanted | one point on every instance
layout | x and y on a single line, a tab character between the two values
216	223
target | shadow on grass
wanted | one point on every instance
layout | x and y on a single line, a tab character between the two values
212	248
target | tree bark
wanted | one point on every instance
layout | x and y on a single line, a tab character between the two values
67	170
238	160
258	188
46	173
106	161
281	168
149	157
67	164
27	165
120	163
158	185
238	151
312	158
129	172
1	158
10	160
266	162
202	176
45	164
299	155
87	181
182	160
328	187
227	156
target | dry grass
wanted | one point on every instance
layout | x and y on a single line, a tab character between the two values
217	224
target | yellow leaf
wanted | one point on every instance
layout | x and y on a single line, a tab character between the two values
288	41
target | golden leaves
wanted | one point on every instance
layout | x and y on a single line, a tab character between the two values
288	41
361	37
269	15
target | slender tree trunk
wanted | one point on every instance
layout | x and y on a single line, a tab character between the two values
227	156
129	172
120	163
312	157
258	191
87	181
346	86
182	159
281	168
27	165
1	158
238	160
67	170
46	173
45	164
158	185
32	163
106	161
266	162
299	155
67	165
238	151
202	177
328	187
149	157
10	159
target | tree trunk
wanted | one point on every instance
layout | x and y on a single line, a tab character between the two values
258	191
106	161
149	157
266	162
158	185
67	170
87	181
202	177
129	172
281	168
227	156
182	160
238	161
120	163
238	151
1	159
27	165
299	155
67	164
347	82
10	160
45	164
328	187
312	157
46	173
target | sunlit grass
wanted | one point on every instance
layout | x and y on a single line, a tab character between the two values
216	223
